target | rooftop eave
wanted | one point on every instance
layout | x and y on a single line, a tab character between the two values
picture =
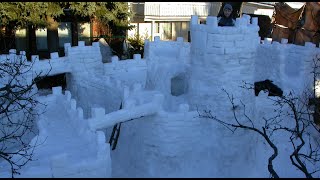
269	6
170	18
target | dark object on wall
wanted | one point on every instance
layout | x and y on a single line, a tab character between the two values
52	81
267	84
316	114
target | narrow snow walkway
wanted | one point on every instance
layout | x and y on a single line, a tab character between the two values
68	144
62	137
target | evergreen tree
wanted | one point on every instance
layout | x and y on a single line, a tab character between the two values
113	14
30	15
34	15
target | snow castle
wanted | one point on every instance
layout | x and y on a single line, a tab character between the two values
163	93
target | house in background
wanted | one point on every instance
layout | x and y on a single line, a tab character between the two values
85	31
170	20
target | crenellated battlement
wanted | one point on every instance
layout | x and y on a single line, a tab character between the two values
95	157
82	51
158	49
210	39
117	66
278	61
129	71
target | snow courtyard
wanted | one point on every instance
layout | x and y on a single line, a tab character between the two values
159	99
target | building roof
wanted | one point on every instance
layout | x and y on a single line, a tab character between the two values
295	5
267	5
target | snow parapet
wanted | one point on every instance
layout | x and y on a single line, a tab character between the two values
128	71
167	51
280	61
62	163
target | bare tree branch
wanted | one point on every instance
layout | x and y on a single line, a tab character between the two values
17	111
291	115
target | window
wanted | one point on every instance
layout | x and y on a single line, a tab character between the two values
84	32
64	33
21	40
167	31
41	36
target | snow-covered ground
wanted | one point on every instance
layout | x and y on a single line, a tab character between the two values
161	93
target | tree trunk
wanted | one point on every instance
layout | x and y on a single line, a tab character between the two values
8	41
74	31
52	35
32	41
237	9
2	41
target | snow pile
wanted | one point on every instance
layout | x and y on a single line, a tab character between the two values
106	51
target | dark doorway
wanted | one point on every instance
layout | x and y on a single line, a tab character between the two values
51	81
